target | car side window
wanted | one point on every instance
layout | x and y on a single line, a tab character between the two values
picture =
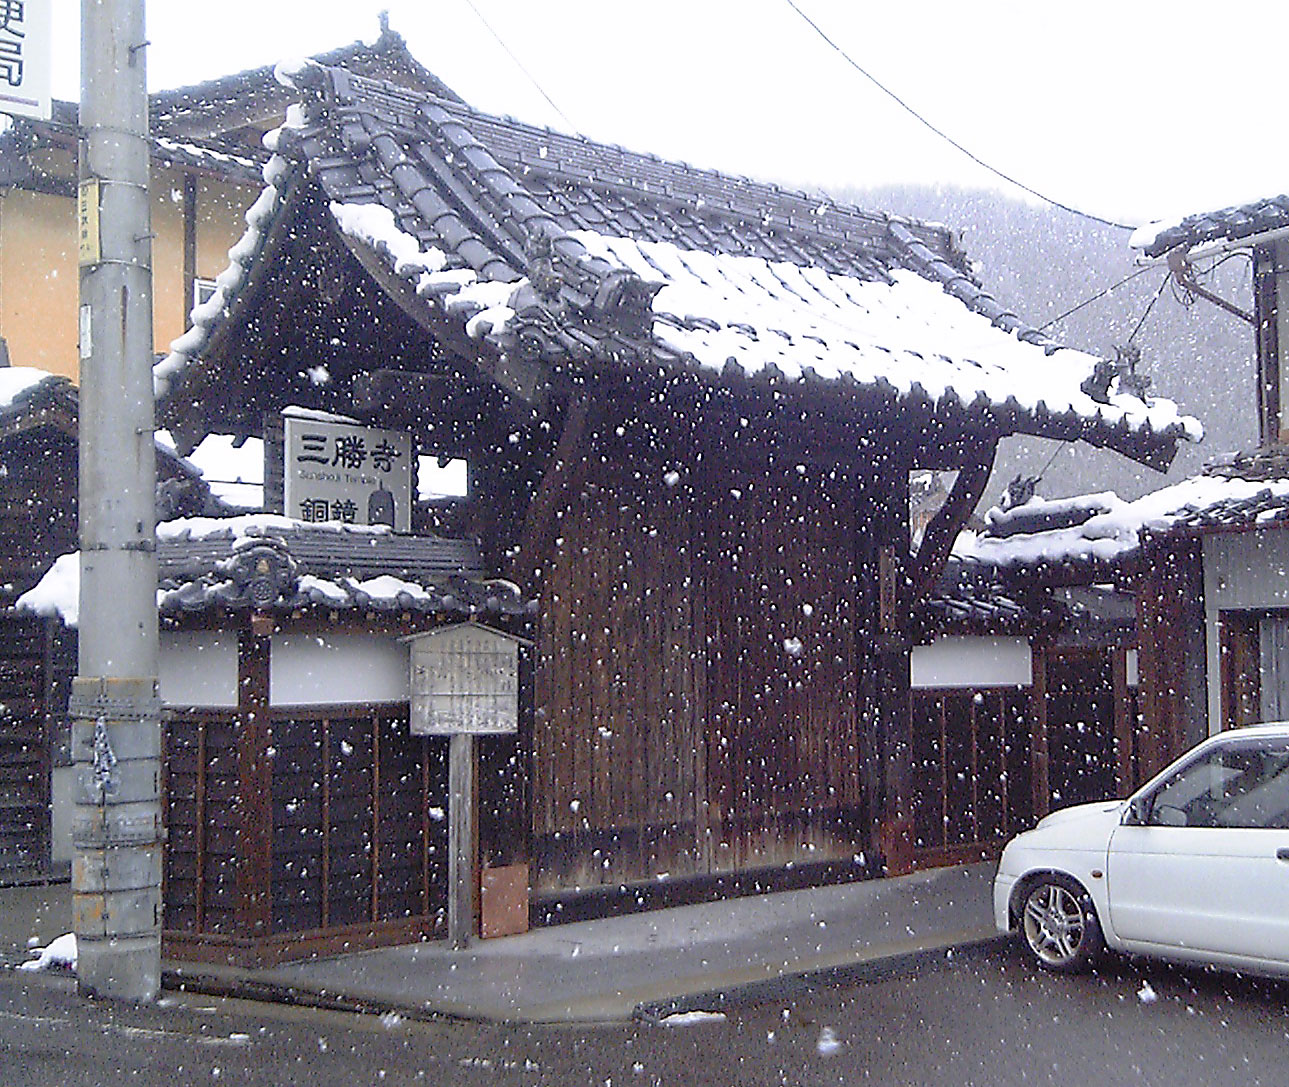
1236	785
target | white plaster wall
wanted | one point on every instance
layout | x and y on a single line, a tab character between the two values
965	661
322	669
1242	570
198	668
1247	569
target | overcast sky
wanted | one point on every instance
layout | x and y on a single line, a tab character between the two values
1130	109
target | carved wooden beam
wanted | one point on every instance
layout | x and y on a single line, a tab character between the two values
938	539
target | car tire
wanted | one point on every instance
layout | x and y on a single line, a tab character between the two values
1059	926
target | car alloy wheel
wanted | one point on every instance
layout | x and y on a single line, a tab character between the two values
1059	925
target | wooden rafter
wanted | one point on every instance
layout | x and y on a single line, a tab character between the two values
938	539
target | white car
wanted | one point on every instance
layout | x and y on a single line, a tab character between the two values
1194	866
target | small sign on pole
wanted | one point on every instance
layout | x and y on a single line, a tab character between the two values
25	52
464	684
89	237
465	679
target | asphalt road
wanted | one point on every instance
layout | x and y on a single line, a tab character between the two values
984	1018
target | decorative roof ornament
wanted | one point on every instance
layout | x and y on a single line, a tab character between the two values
1019	491
1127	357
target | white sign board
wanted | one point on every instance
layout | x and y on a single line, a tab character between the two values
345	472
25	53
465	680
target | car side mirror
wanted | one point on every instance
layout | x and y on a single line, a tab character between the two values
1136	813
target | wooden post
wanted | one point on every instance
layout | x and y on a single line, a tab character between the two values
1124	779
255	788
462	849
1040	785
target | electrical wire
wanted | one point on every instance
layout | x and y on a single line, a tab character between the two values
1132	336
945	136
1149	306
1099	295
520	65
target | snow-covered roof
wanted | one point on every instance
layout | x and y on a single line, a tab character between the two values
535	242
269	562
1105	528
31	397
1225	224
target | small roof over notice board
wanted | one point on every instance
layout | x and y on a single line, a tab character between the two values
464	680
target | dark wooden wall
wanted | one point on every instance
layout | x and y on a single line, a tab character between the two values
1170	624
971	772
36	660
698	683
1081	732
356	837
37	507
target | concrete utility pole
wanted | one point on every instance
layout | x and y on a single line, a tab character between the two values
116	730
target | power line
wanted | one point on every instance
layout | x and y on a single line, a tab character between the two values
1096	297
1132	336
520	65
945	136
1149	306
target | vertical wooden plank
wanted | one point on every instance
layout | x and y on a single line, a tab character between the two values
255	787
1267	337
461	839
326	821
200	831
374	721
894	680
426	796
1123	723
973	715
189	248
1038	747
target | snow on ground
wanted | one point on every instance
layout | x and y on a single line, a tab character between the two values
689	1019
59	955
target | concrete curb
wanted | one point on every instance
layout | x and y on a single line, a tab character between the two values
808	979
752	985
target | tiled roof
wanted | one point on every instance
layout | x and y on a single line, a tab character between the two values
1106	529
216	125
1225	224
201	109
1266	506
592	255
270	563
970	599
31	397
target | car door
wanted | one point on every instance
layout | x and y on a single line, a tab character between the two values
1201	866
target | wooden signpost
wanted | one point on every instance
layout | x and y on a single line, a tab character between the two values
464	684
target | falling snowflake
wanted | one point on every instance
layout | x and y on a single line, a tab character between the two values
828	1043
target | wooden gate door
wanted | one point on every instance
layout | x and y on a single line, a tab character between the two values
1081	727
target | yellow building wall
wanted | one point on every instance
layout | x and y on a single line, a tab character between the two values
39	276
38	280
